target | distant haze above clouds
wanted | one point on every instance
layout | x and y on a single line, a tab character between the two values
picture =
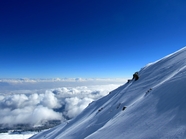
35	101
27	84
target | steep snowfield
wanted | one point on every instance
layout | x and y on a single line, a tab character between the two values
155	107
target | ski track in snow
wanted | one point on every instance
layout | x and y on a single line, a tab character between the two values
170	76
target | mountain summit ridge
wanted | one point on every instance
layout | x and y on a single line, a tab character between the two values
152	107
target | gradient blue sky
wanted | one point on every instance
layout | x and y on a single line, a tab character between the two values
87	38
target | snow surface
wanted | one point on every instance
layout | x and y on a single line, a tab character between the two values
16	136
155	107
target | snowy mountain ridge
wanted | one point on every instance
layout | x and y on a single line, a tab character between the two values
153	107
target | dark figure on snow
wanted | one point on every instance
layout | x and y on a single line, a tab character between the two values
135	76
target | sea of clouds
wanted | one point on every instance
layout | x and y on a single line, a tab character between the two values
36	101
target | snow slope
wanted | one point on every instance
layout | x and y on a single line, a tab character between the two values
155	107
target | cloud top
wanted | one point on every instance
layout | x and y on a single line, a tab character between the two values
39	106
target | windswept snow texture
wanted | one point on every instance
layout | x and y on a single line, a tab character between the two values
155	107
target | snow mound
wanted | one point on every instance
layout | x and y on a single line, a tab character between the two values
153	107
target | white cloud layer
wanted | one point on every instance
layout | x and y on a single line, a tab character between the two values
36	106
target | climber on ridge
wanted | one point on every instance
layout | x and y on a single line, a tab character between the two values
135	76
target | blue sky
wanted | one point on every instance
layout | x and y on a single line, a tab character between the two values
88	39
